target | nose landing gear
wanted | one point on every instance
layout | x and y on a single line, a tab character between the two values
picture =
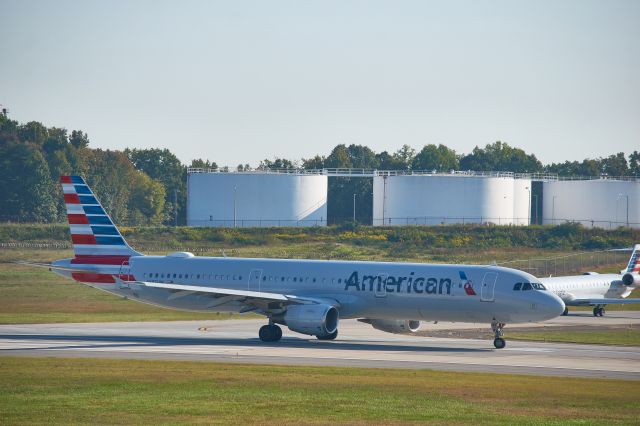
498	341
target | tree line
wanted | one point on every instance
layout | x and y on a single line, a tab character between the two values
148	186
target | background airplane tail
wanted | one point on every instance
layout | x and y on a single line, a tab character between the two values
95	238
634	262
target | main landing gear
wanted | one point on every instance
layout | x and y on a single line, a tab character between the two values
499	341
270	333
331	336
598	311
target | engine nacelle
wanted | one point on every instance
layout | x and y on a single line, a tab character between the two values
631	279
394	326
316	320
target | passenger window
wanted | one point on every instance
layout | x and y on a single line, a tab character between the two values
526	286
518	286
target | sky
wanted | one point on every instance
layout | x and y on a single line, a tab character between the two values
240	81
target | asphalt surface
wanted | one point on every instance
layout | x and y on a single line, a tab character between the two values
358	345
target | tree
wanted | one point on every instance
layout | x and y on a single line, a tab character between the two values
634	163
500	156
277	164
146	204
387	161
112	178
405	156
25	186
339	158
79	139
199	163
163	166
33	132
439	158
315	163
615	165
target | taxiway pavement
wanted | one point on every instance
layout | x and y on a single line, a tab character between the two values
358	345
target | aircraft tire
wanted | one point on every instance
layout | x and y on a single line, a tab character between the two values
499	343
331	336
278	331
595	312
264	333
270	333
565	312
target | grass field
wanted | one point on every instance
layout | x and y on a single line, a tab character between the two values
630	336
72	391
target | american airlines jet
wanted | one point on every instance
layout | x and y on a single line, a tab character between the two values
598	290
307	296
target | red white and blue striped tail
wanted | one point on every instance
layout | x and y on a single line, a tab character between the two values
634	262
95	238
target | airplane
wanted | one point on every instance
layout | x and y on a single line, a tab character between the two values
598	290
307	296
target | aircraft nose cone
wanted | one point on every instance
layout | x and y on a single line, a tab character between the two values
553	306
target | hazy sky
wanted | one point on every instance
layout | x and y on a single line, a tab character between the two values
239	81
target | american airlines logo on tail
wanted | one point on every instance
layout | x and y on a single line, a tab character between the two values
634	262
96	240
467	284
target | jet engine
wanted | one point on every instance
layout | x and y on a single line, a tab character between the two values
316	320
631	279
393	326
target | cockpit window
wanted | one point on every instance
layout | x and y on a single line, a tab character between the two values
538	286
526	286
518	286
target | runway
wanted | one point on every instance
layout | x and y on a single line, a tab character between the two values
358	345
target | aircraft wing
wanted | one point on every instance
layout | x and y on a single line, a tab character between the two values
255	300
590	302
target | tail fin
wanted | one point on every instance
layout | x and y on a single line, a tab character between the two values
93	233
634	262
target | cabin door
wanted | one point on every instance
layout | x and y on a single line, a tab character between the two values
255	277
380	286
488	287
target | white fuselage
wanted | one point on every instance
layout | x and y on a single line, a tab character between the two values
594	286
359	289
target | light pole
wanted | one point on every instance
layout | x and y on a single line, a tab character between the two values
354	208
620	196
529	211
235	189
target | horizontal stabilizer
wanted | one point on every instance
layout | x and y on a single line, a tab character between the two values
53	267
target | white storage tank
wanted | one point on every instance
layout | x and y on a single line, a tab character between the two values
604	203
431	199
250	199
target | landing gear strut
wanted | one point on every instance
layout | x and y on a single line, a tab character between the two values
270	333
598	311
498	342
